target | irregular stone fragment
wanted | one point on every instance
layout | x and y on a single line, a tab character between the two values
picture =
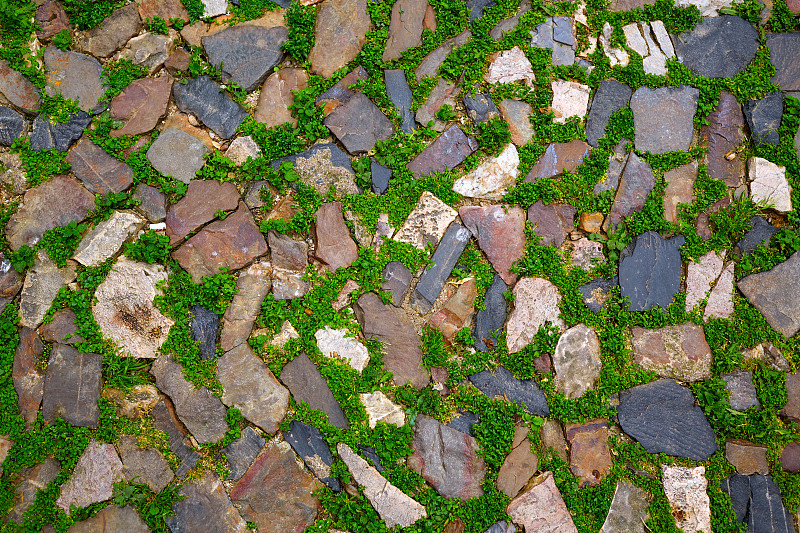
720	301
541	508
393	506
767	292
51	18
557	159
205	507
790	458
75	76
245	54
650	257
289	260
724	135
742	392
761	232
536	302
427	223
203	329
61	328
590	458
517	114
99	172
380	177
178	61
746	457
663	417
124	309
202	97
570	99
42	283
664	118
502	382
341	30
400	95
544	36
405	27
164	419
677	352
141	105
595	294
609	98
757	502
152	202
166	9
764	118
252	287
508	66
430	65
18	89
390	325
552	223
202	200
178	154
700	276
135	403
443	154
335	344
718	47
32	481
48	135
323	166
106	238
276	96
340	93
680	189
617	56
480	107
12	124
519	466
553	440
343	299
306	384
112	519
577	361
333	243
241	452
397	280
456	312
586	254
243	149
308	442
491	179
685	488
784	55
381	409
443	93
500	231
628	512
463	421
28	379
201	411
144	465
508	25
443	260
91	481
113	32
768	184
492	317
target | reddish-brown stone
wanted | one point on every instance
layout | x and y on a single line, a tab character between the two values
276	96
552	222
790	458
723	135
61	328
98	171
10	283
500	233
519	466
455	314
178	61
747	458
166	9
340	94
141	105
792	408
704	230
405	27
678	352
203	199
341	30
332	239
52	18
589	456
18	89
28	379
557	159
679	190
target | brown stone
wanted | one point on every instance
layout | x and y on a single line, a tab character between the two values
27	376
704	230
591	222
141	105
590	459
746	457
557	159
455	314
98	171
541	508
10	283
18	89
501	235
442	94
61	328
790	457
405	27
306	384
134	403
166	9
543	364
678	352
520	465
178	61
552	436
202	201
34	479
52	18
723	136
205	507
680	189
75	76
552	222
252	287
112	519
276	96
113	32
517	114
792	408
341	31
332	240
443	154
340	93
144	465
289	260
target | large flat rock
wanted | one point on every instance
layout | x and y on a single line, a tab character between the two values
501	382
205	506
200	204
723	134
75	76
405	27
276	96
98	171
718	47
92	479
18	89
541	508
113	32
205	99
178	153
628	511
443	154
650	257
769	292
664	118
784	54
245	53
341	30
491	318
49	135
72	387
678	352
141	105
306	384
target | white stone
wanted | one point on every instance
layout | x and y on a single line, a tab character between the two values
708	8
570	99
617	56
685	488
125	311
241	148
393	505
41	286
662	36
383	230
427	222
768	184
576	361
107	237
656	62
286	333
335	344
636	42
214	8
536	302
720	302
586	254
700	276
541	509
381	409
158	226
509	66
492	178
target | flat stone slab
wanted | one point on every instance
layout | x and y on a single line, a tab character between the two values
72	387
242	452
341	30
427	223
768	184
764	118
359	124
557	159
541	508
650	257
718	47
536	302
18	89
203	329
323	166
761	232
12	124
662	417
502	382
336	344
443	154
516	113
144	465
480	107
245	54
664	118
252	286
784	55
405	27
400	95
628	512
164	419
306	384
742	391
111	519
685	488
442	262
397	280
553	223
678	352
589	454
492	178
492	317
577	361
141	105
205	507
42	283
289	260
32	480
106	238
767	292
724	134
340	93
519	465
455	314
48	135
75	76
610	97
98	468
202	97
680	189
202	200
757	502
178	154
112	33
98	171
308	442
333	243
746	457
28	379
276	97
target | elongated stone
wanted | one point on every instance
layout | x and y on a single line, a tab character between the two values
767	291
541	508
502	382
308	442
341	30
635	184
492	317
252	287
405	27
306	384
628	512
536	302
400	94
212	106
443	154
242	452
443	260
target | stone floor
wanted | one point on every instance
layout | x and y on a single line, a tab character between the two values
430	265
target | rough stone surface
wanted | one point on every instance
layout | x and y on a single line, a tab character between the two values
75	76
610	97
663	417
32	481
164	419
398	279
664	118
242	149
341	29
61	328
202	97
111	519
42	283
502	382
443	93
680	189
700	277
718	47
443	154
757	502
323	166
443	261
742	392
28	379
113	32
767	291
335	343
91	481
492	178
570	99
18	89
341	92
307	385
242	452
628	512
289	260
768	184
276	96
764	118
508	66
516	113
746	457
685	488
47	135
166	9
245	54
381	409
536	302
72	387
359	124
650	257
784	54
790	458
552	223
150	50
237	322
153	202
635	183
720	301
400	95
677	352
205	507
519	466
98	171
405	27
541	508
178	153
577	360
724	134
12	124
557	159
106	238
333	243
589	455
480	107
202	200
144	465
308	442
430	65
427	223
492	317
141	105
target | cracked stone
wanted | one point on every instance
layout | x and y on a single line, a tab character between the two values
536	302
98	468
678	352
203	98
245	54
650	257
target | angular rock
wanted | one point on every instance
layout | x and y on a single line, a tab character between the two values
398	279
552	223
746	457
517	114
276	96
536	302
152	202
164	419
380	176
112	519
107	237
241	150
454	315
12	124
480	107
307	385
205	507
166	9
720	301
289	260
335	344
18	89
333	244
42	283
757	502
595	294
764	118
242	452
245	54
542	36
381	409
400	95
508	66
75	76
308	442
28	379
125	311
501	235
343	299
502	382
662	417
48	135
680	189
761	232
463	421
552	435
61	328
577	361
589	455
664	118
202	200
203	329
91	481
178	154
323	166
677	352
99	172
492	317
141	105
541	508
113	32
178	62
341	30
443	154
508	25
718	47
650	257
340	93
144	465
405	27
609	98
237	322
685	488
570	99
427	223
430	65
784	55
557	159
790	458
491	179
700	277
202	97
628	512
519	466
724	134
390	325
767	292
32	481
768	184
443	260
586	254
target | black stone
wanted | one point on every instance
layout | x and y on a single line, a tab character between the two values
380	176
372	456
760	233
47	135
12	124
178	443
308	442
650	271
662	417
338	157
204	327
242	452
245	54
285	4
492	318
398	278
205	99
522	391
400	94
764	118
589	292
756	501
480	107
718	47
476	8
444	259
463	421
610	97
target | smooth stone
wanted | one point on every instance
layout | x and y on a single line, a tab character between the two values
784	55
144	465
306	384
455	314
380	176
405	28
397	280
427	223
245	54
500	231
764	118
12	124
724	134
202	200
516	113
335	344
430	65
767	292
289	260
443	154
557	159
757	502
553	223
648	257
340	93
48	135
205	506
502	383
308	442
718	47
443	93
577	361
445	257
18	89
203	328
609	98
679	190
359	124
203	98
519	466
746	457
768	184
333	243
685	488
700	277
790	458
400	95
570	99
480	107
541	508
663	417
679	352
33	480
113	32
628	511
75	76
97	469
141	105
664	118
178	154
589	455
152	202
553	440
492	178
277	95
341	28
492	317
106	238
380	408
164	419
42	284
323	166
241	452
27	378
536	302
111	519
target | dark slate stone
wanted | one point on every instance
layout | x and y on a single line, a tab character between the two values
165	421
47	135
371	455
285	4
662	417
444	259
398	278
380	176
756	501
301	376
595	292
205	99
760	233
443	154
338	157
204	329
610	97
650	271
12	124
308	443
480	107
245	54
718	47
492	318
522	391
359	124
400	94
463	421
72	387
242	452
784	54
562	31
738	488
476	8
764	118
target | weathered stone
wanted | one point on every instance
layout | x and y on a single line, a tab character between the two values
541	508
463	421
768	184
18	89
677	352
106	238
555	33
380	176
508	25
341	29
164	419
241	452
335	344
202	97
427	223
28	379
397	279
91	481
501	235
664	418
443	93
784	55
443	154
166	9
113	32
152	202
519	466
205	507
307	385
134	403
42	283
178	154
590	458
144	465
557	159
240	151
61	328
761	232
99	172
308	442
536	302
570	99
650	257
757	502
679	190
276	96
333	244
13	175
32	481
203	199
430	65
577	361
628	512
343	299
323	166
609	98
455	314
476	8
508	66
178	61
685	488
203	327
746	457
124	309
12	124
700	277
767	292
75	76
400	95
381	409
480	107
720	301
502	383
51	18
501	527
341	93
405	27
289	260
390	325
112	519
718	47
764	118
771	355
552	223
586	254
792	408
245	54
443	260
491	179
664	118
552	435
595	294
47	135
141	105
723	135
492	317
517	114
790	458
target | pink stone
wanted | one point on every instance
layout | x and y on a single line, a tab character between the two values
500	234
541	508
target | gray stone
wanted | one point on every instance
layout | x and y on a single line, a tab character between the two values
596	293
204	325
202	97
75	76
92	479
47	135
323	166
718	47
306	384
400	95
12	124
28	379
610	97
398	278
784	54
760	234
205	507
562	30
308	442
340	93
245	54
476	8
635	183
443	260
144	465
464	421
501	527
111	519
517	114
502	382
165	420
32	481
443	154
767	291
543	36
651	257
153	202
252	287
150	50
178	154
663	417
628	512
380	176
113	32
430	65
105	239
508	25
490	319
98	171
72	387
552	222
577	361
756	501
742	391
764	118
480	107
241	452
405	27
42	283
664	118
18	89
